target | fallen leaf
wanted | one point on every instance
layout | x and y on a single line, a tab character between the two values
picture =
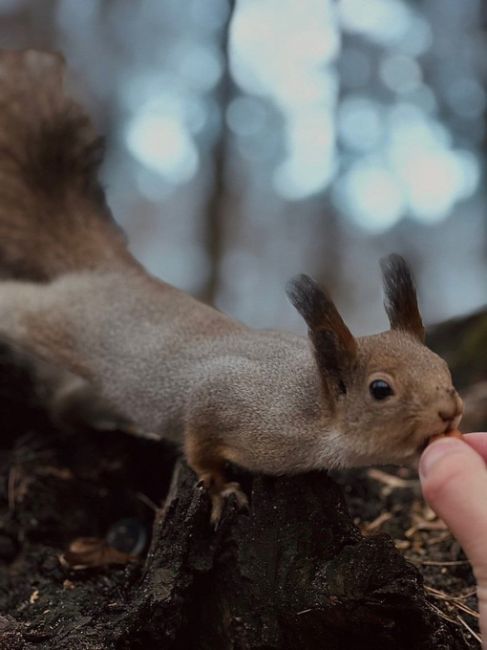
86	552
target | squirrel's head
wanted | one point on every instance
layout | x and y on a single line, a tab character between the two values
388	393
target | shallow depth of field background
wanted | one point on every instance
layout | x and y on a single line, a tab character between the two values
247	142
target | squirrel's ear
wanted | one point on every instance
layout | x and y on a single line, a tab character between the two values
400	296
334	345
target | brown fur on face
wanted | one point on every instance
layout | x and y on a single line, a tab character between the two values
394	429
423	402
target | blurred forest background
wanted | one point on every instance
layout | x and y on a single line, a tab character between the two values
251	140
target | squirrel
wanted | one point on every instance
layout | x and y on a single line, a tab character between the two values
125	350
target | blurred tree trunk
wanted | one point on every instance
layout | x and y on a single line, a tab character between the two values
328	231
329	246
218	199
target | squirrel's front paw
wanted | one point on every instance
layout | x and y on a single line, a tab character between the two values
218	492
218	499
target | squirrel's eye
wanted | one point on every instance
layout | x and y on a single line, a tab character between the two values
380	389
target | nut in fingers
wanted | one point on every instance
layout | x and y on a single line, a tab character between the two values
454	433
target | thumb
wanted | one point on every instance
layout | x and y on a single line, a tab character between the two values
454	482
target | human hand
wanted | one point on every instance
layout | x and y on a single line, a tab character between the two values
454	482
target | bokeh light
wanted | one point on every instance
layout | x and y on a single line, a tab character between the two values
159	139
286	52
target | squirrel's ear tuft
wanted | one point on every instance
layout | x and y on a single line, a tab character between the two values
309	299
334	345
400	300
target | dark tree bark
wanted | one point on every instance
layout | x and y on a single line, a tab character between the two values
293	573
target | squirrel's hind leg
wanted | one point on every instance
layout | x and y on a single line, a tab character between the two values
71	402
74	404
207	459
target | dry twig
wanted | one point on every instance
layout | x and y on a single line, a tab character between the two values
391	480
466	625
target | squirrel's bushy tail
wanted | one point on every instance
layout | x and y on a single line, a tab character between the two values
53	215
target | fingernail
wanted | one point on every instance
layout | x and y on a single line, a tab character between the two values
436	452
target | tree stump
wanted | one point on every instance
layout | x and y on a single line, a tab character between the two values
293	572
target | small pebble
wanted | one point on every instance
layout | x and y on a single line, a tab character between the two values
128	536
51	567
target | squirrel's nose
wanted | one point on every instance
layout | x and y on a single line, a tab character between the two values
447	416
455	408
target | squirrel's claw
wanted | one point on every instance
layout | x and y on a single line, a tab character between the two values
211	476
218	497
